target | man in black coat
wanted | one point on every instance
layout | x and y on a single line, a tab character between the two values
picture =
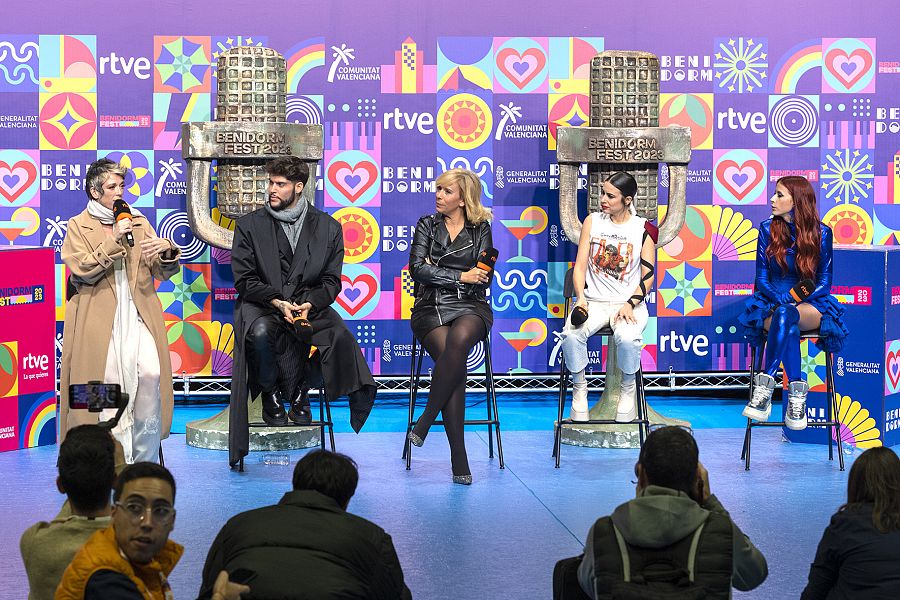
308	546
287	259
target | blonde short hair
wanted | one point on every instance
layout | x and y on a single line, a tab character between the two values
470	191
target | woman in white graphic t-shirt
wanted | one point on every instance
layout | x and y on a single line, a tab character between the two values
612	274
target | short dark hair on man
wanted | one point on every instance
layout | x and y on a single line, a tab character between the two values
141	470
669	459
289	167
329	473
87	467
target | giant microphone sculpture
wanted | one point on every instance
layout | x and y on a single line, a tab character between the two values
249	130
623	135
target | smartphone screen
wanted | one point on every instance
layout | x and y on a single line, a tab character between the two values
94	397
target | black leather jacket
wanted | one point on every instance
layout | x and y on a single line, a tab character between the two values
436	264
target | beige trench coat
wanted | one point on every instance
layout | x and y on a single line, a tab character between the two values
90	253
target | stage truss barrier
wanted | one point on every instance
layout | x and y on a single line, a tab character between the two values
189	387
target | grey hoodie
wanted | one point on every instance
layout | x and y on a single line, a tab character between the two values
659	517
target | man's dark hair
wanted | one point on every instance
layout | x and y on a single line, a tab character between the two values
87	467
290	167
141	470
329	473
669	459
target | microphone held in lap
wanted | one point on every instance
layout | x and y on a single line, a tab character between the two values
802	290
487	259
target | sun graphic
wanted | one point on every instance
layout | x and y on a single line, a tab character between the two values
741	65
850	224
847	176
465	121
361	234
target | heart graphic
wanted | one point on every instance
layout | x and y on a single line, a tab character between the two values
14	180
355	293
739	180
353	181
848	69
521	68
893	368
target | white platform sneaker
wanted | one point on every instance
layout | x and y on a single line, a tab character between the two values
795	417
580	410
760	405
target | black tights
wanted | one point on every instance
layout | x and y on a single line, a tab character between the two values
449	347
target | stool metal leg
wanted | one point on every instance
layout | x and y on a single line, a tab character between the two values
835	430
489	386
412	396
563	386
643	413
418	356
492	401
328	415
322	420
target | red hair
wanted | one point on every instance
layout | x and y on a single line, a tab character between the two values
809	229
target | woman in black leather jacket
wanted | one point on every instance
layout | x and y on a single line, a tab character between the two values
451	313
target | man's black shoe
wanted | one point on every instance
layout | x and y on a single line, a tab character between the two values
272	409
300	412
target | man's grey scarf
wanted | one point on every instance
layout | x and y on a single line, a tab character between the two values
291	219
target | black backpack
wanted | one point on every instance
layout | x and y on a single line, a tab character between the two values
661	573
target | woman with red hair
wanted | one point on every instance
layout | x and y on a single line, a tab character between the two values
792	294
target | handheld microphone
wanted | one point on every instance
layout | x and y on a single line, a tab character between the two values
302	328
122	211
579	316
487	259
802	290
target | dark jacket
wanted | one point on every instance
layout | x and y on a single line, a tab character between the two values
307	546
855	560
660	517
436	263
315	277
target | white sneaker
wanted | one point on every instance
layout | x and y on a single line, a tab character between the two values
795	416
626	409
580	410
760	406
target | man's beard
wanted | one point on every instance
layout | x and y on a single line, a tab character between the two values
283	205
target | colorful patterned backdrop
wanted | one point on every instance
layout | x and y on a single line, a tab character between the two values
404	93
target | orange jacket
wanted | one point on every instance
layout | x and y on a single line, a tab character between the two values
101	552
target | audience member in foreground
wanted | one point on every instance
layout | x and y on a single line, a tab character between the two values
859	554
673	516
132	558
86	473
308	546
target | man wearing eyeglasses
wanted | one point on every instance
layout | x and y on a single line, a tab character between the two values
133	557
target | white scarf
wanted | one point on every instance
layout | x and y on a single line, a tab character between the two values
126	325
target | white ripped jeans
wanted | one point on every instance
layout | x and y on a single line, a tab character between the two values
629	337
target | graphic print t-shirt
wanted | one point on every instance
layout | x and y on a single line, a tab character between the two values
614	262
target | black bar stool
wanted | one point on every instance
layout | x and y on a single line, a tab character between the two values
832	425
493	415
314	380
642	421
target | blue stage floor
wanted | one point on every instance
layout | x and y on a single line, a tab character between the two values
498	538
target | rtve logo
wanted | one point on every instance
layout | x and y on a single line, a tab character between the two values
125	65
736	119
696	344
422	122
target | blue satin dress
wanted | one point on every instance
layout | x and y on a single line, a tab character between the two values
772	288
